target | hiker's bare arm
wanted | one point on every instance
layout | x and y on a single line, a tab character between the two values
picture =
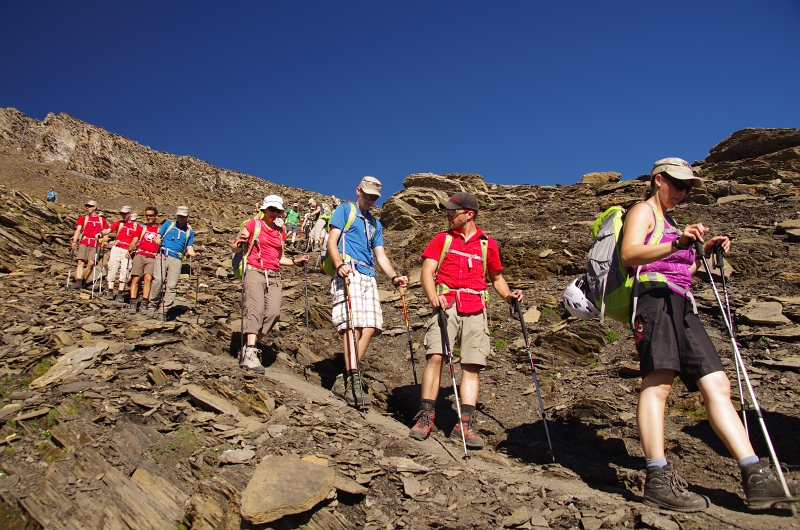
243	236
191	252
386	265
639	222
428	285
75	237
501	286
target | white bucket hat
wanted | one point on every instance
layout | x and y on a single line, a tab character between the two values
272	200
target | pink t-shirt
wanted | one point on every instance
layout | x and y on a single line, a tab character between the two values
266	252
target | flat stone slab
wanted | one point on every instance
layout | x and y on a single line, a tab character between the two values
270	495
70	364
764	314
212	401
237	456
736	198
94	327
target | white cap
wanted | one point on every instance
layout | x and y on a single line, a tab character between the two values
125	209
182	211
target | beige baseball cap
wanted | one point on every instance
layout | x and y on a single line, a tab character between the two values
125	209
676	168
91	203
371	185
183	211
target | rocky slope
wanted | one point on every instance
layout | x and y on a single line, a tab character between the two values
122	422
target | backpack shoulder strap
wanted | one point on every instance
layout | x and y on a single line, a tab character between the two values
658	230
254	239
170	226
485	254
448	240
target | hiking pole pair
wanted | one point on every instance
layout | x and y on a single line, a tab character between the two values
243	245
408	334
720	261
515	308
163	286
698	245
449	352
94	272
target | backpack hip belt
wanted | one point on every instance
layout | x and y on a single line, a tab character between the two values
654	280
444	289
172	253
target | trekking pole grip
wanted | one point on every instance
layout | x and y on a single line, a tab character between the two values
698	247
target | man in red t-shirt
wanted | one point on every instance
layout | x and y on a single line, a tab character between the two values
118	261
143	248
87	230
455	265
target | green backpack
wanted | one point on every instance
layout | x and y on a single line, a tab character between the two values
239	259
608	284
327	263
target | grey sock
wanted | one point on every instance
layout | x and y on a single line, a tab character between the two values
744	462
655	462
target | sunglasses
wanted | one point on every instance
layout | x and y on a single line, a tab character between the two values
452	211
149	215
370	197
679	185
89	206
272	209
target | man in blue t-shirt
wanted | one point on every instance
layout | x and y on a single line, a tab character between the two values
176	239
354	253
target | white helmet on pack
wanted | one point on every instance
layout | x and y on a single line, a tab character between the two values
576	302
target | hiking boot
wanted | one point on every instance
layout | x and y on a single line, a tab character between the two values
423	424
161	316
120	298
143	307
339	388
109	294
77	285
664	488
250	360
473	439
763	488
133	307
361	398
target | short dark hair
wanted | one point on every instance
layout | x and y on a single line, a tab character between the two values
152	208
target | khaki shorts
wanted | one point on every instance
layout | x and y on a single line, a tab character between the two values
473	329
86	254
143	265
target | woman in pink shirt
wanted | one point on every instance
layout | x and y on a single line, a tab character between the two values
261	280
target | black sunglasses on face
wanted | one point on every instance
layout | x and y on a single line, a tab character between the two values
272	209
370	197
452	211
679	185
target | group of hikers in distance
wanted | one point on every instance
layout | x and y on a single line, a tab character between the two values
457	265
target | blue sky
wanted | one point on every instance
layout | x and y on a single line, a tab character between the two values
317	94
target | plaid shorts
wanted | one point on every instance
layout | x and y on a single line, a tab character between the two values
364	297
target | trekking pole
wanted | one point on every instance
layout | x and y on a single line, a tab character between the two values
94	271
69	267
163	286
515	307
447	351
740	362
308	339
720	260
243	245
354	350
408	334
197	291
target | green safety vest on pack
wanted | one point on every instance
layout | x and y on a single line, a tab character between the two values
609	285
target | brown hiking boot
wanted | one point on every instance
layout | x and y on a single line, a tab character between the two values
763	488
474	441
423	424
664	488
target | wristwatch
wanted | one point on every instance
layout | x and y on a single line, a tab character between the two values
678	246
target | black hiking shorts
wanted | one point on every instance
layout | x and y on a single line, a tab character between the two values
670	336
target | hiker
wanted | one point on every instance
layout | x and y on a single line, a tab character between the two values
363	240
305	227
671	340
262	281
455	266
125	231
175	239
87	229
317	223
143	248
292	215
51	195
